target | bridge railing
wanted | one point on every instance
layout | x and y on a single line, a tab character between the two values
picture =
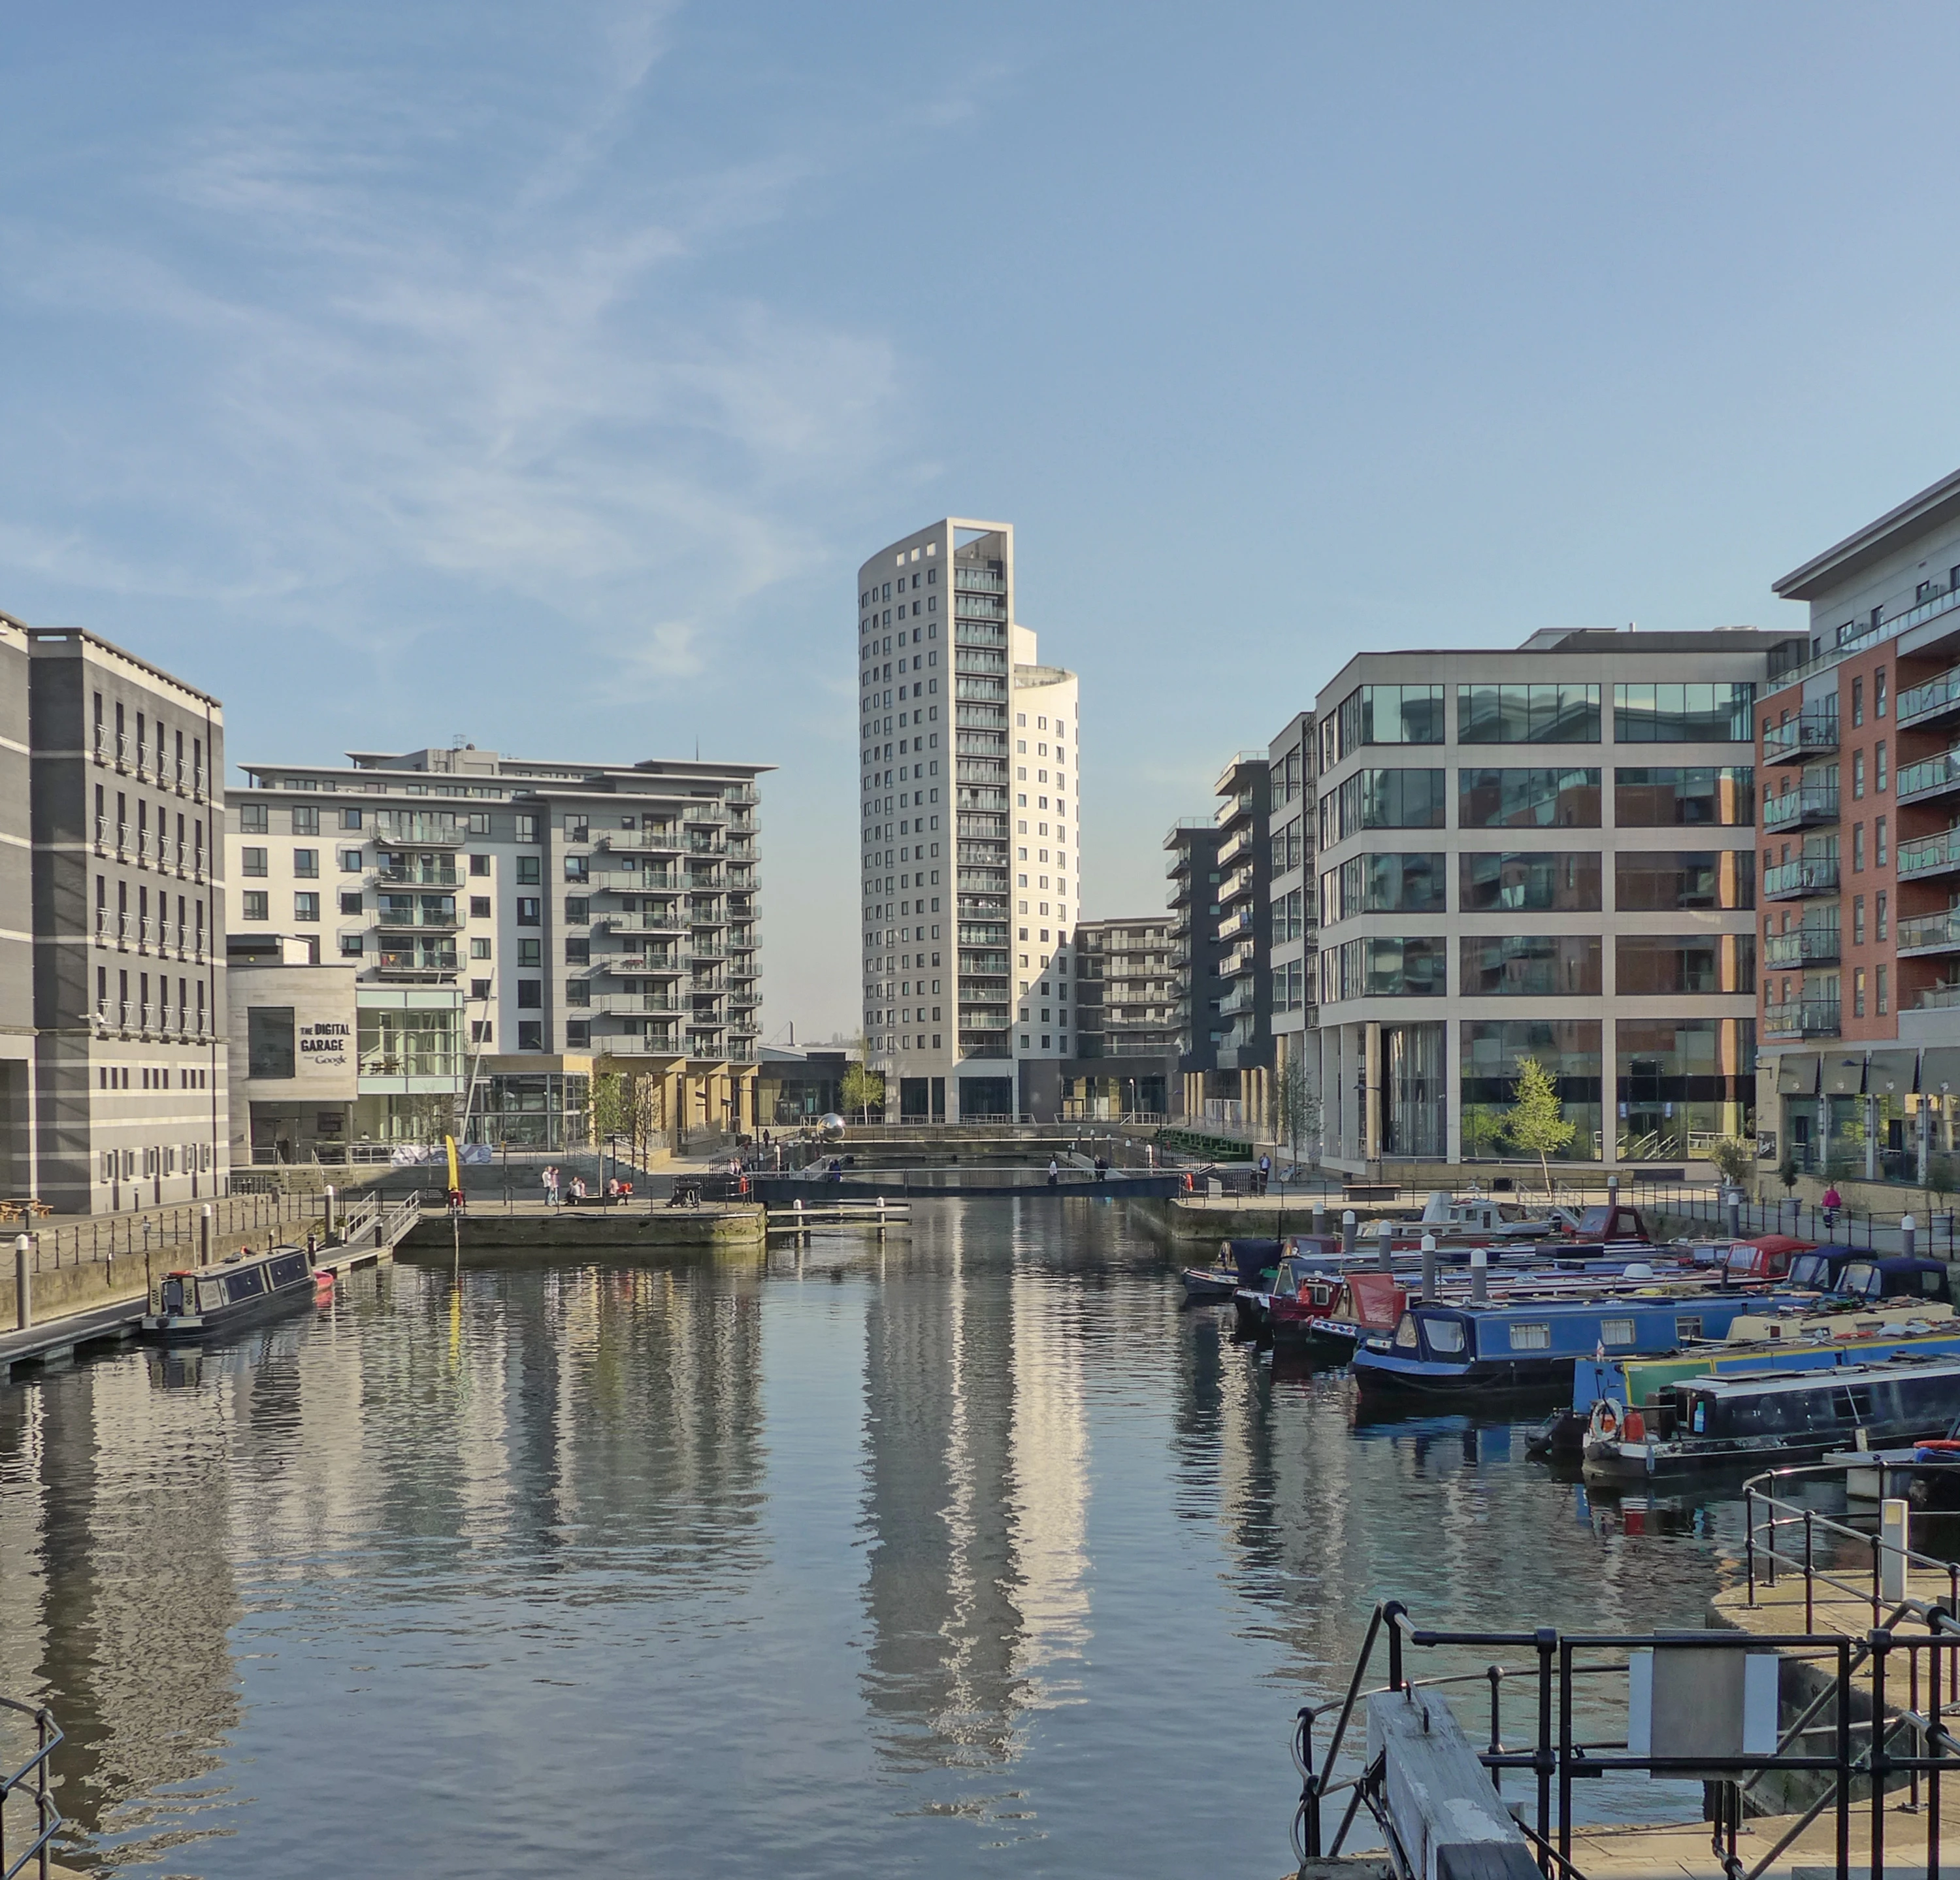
28	1790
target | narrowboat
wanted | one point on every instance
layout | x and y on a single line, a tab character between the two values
1527	1347
1761	1421
195	1302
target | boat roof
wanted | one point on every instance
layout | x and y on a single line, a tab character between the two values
1757	1383
1691	1290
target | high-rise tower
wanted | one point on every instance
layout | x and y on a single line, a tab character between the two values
968	787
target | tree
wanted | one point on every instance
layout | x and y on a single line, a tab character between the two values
611	1106
1943	1175
862	1088
1735	1160
1536	1121
1296	1112
1787	1172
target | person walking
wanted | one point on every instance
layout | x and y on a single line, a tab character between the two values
1831	1203
1265	1173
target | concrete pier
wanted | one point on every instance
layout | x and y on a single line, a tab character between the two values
530	1231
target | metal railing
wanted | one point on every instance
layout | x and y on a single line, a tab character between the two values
1935	774
1802	1018
1813	944
33	1782
1813	874
1813	803
161	1230
1807	734
1925	933
1935	695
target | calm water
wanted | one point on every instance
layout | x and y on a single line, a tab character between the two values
977	1555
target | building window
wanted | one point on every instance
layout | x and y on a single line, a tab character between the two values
578	910
479	989
306	864
252	861
530	994
1857	848
577	992
530	952
479	948
1857	776
1541	882
1885	993
1654	963
578	952
1695	714
530	870
1878	851
479	907
1528	714
531	1034
350	819
1532	965
306	907
268	1042
1656	882
530	911
350	862
1390	715
1857	702
1882	911
254	819
1878	695
1663	797
1527	799
527	827
480	1032
1858	993
1857	920
306	820
479	866
350	946
350	904
253	904
578	1034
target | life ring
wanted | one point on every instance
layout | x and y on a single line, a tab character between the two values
1947	1445
1606	1418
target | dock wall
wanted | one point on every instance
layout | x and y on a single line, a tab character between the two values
575	1234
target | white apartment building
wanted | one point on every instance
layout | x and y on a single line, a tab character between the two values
1547	851
969	782
506	927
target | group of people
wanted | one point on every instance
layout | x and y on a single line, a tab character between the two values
618	1190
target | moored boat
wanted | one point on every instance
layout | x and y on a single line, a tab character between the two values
195	1303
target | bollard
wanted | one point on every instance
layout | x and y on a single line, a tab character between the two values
1735	1213
1612	1187
1480	1275
1320	1214
1428	1267
24	1283
1908	1235
204	1237
330	1211
1347	1230
1384	1241
1894	1542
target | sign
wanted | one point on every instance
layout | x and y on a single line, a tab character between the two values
326	1045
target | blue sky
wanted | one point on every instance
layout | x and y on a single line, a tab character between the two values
542	375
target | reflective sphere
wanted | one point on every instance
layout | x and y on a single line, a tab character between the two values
831	1127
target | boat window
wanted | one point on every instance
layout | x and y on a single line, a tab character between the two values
287	1268
1686	1328
1863	1279
1405	1333
172	1296
1616	1331
1446	1335
1536	1337
210	1295
248	1285
1930	1282
1699	1422
1741	1259
1808	1271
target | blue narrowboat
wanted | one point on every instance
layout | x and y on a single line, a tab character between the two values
1528	1347
199	1302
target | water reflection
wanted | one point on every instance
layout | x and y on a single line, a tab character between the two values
878	1554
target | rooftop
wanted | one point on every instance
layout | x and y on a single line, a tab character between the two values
1934	506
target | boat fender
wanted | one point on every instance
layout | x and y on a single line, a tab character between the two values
1941	1445
322	1280
1187	1181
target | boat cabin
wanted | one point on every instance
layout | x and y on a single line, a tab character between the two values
1610	1221
1893	1276
1888	1401
205	1290
1767	1256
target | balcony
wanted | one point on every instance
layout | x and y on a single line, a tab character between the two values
704	809
636	1001
1235	848
1232	925
1929	933
1794	881
1943	997
1808	734
1802	1018
1927	704
429	920
1934	776
1807	807
419	963
408	831
637	1043
662	965
433	873
629	842
1928	855
1811	945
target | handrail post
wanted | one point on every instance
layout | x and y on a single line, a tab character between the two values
1496	1675
1844	1759
1809	1584
1543	1762
1749	1537
1880	1640
1310	1788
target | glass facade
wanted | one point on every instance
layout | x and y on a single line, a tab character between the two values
1528	799
1534	882
1692	714
532	1110
1383	884
1684	796
1531	965
1528	714
1415	1092
1390	715
412	1042
1683	1082
1490	1053
1661	881
1384	968
1384	799
1685	963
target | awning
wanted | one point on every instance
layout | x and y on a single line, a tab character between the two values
1796	1073
1844	1073
1891	1073
1939	1069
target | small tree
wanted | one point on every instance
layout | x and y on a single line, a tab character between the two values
1536	1122
1296	1117
1735	1160
1787	1172
611	1106
1943	1175
862	1088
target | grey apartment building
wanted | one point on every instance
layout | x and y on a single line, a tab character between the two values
1546	852
969	780
1195	876
1292	915
111	972
489	933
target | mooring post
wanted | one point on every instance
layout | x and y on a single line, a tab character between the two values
1734	1197
1480	1274
1908	1235
1893	1543
23	1295
1384	1243
1429	1269
1347	1230
330	1211
881	1214
1320	1214
204	1237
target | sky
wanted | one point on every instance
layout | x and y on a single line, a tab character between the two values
540	376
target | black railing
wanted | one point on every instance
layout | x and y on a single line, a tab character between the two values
1557	1756
31	1784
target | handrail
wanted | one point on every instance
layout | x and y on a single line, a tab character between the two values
31	1779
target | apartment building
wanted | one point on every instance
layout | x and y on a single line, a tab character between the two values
1238	1091
969	778
1858	741
1195	874
1544	852
1291	913
506	928
112	980
1126	1019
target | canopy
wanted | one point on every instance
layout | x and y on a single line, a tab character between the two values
1891	1073
1939	1069
1796	1073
